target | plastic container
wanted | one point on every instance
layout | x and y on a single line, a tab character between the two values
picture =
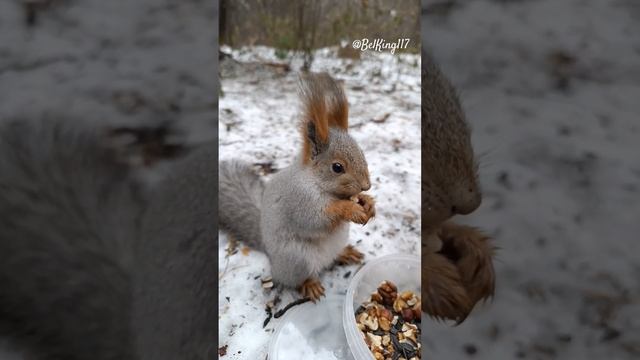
327	330
311	332
402	270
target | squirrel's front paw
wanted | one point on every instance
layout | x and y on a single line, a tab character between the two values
312	289
444	295
358	215
368	204
341	210
350	256
472	253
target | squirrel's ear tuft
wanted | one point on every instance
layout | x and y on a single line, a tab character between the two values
315	125
337	104
324	106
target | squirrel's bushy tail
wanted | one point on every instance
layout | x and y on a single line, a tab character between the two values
240	197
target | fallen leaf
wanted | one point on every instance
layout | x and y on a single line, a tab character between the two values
222	351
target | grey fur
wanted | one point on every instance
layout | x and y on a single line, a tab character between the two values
240	192
295	231
174	313
449	171
75	205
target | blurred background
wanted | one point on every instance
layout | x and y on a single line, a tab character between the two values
551	90
110	61
126	63
304	25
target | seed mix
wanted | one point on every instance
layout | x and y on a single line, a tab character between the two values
390	323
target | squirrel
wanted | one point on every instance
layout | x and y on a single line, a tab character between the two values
457	267
300	218
105	240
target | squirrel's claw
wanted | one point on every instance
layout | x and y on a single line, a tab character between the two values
358	210
358	216
365	209
341	210
368	204
312	289
350	256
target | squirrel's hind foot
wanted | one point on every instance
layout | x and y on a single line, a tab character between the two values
312	288
350	256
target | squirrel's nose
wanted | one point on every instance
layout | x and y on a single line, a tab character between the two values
465	201
365	186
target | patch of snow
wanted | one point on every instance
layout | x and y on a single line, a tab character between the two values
560	172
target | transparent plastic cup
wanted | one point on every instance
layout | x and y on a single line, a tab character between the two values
402	270
327	330
311	332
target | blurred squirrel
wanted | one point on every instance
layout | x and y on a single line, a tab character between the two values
300	218
457	266
106	236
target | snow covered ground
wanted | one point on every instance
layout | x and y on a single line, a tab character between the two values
111	61
552	90
259	124
115	60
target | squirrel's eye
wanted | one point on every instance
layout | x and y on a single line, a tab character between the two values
337	168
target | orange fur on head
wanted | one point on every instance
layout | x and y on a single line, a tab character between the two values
338	105
324	106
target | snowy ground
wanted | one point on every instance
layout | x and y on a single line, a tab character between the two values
561	173
114	60
258	123
111	61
